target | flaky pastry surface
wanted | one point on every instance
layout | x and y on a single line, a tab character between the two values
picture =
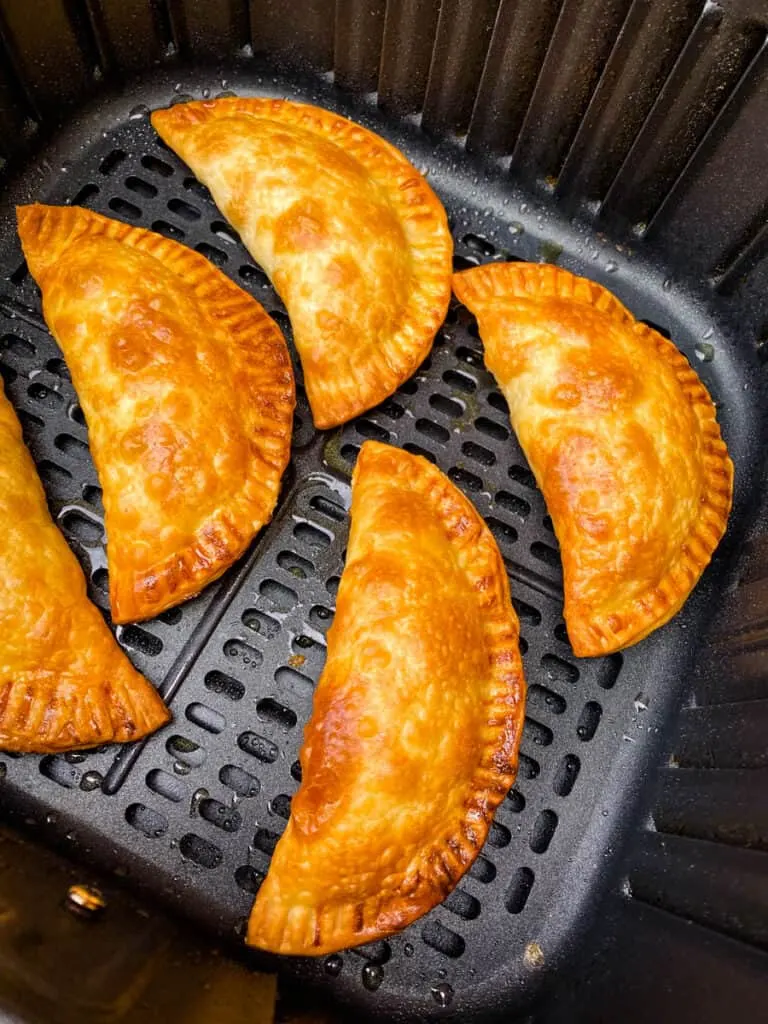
64	682
352	236
414	735
622	438
187	389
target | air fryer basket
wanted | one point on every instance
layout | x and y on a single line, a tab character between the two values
625	140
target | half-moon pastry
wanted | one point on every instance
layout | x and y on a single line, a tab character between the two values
187	389
352	236
622	438
64	682
414	735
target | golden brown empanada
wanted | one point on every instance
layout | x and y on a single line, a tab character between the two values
414	735
64	682
187	388
352	236
622	437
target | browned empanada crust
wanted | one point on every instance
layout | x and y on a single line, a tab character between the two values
352	236
622	437
188	392
414	736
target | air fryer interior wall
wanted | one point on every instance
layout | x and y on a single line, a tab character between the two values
571	151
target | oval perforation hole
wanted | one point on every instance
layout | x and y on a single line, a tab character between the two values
157	166
372	431
56	478
512	503
213	253
462	904
450	407
332	585
266	840
315	538
566	775
416	449
589	719
241	781
140	187
491	429
93	495
271	710
349	453
8	374
392	410
140	640
470	356
259	746
503	532
523	476
482	870
70	445
559	670
165	785
498	402
225	232
320	618
479	244
542	832
260	623
60	771
228	819
253	275
464	479
461	381
84	194
378	952
280	598
200	851
528	768
442	939
516	801
536	733
328	507
222	684
433	431
519	890
281	806
29	421
249	879
183	210
150	823
608	669
162	227
464	262
46	397
543	699
112	160
293	683
124	208
478	453
294	564
499	835
204	717
296	770
87	531
544	553
185	751
17	346
197	188
526	612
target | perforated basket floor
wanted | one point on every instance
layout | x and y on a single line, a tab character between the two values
192	815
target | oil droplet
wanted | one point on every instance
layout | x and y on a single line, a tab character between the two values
372	976
442	993
197	798
206	94
442	973
408	949
333	965
639	703
50	819
139	111
74	757
178	87
91	780
523	208
611	267
667	284
515	228
181	768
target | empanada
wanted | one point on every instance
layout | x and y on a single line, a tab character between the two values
414	736
187	388
352	236
64	682
622	438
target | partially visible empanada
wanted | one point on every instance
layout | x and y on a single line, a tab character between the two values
187	389
352	236
64	682
622	438
414	735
